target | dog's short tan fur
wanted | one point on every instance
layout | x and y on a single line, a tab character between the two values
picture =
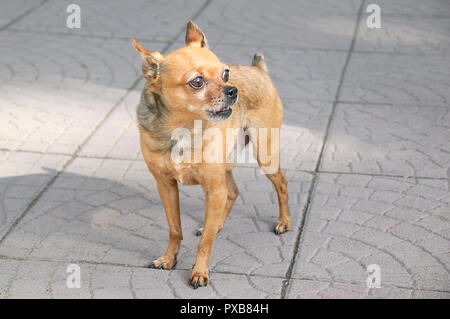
169	102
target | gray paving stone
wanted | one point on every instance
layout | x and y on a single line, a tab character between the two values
13	9
311	289
108	211
381	139
405	34
398	79
22	177
156	20
302	133
318	24
118	137
389	225
54	101
43	279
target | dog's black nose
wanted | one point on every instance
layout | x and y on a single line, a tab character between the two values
231	92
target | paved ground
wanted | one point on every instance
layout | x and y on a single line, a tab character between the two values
366	148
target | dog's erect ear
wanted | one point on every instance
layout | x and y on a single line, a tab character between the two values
150	61
195	36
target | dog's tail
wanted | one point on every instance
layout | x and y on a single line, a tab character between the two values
258	61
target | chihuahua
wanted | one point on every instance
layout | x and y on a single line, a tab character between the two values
192	85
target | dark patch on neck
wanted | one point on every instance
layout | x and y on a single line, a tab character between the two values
152	114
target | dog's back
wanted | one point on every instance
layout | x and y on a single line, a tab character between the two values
258	96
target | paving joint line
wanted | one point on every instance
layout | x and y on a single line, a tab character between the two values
352	282
313	172
288	276
384	175
88	36
413	15
404	53
286	282
23	15
93	263
249	45
402	104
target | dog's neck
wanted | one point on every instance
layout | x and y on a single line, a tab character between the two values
152	115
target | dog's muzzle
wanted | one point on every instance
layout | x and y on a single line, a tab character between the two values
230	94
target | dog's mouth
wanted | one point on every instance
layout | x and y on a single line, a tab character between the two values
224	110
220	115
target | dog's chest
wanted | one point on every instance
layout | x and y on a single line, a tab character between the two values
184	174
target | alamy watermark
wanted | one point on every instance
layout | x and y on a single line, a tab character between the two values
74	279
374	279
74	18
211	146
374	19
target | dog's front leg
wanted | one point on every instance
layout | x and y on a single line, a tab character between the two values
168	191
216	193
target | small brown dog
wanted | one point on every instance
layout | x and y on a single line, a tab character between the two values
192	84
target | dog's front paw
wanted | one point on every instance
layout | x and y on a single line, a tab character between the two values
282	227
199	278
164	262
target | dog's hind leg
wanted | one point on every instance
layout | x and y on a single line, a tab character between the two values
233	193
269	161
284	220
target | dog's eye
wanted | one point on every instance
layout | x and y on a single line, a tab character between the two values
197	83
226	75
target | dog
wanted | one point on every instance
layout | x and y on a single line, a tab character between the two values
191	85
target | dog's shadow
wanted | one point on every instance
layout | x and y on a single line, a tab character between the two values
89	218
98	219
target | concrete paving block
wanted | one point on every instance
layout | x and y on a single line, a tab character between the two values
13	10
154	21
405	35
412	8
43	279
323	24
23	176
397	79
396	140
335	248
311	289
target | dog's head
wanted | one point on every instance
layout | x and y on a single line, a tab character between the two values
191	79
